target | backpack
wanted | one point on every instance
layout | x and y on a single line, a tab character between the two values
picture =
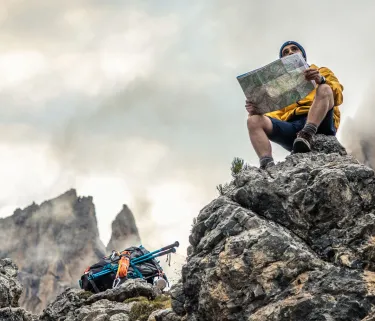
133	262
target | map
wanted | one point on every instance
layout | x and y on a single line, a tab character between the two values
278	84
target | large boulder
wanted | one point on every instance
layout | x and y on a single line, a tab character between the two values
293	242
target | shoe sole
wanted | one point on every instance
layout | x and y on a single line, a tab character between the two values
301	145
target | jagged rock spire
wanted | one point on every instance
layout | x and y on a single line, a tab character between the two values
124	231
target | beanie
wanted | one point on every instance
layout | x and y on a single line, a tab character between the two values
292	43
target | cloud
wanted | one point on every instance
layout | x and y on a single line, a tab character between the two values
146	93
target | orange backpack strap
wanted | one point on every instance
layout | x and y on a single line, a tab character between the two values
123	266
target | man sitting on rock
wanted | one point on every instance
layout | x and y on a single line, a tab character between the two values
294	126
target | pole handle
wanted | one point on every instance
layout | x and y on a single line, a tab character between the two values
175	244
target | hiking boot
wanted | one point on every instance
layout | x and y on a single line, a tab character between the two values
268	165
302	144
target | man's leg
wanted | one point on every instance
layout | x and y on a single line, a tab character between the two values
323	102
259	127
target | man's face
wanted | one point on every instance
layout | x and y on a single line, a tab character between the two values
290	50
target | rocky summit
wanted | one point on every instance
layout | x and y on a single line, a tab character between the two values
293	242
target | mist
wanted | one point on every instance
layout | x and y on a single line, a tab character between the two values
358	134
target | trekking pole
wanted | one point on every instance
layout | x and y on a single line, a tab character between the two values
143	258
150	256
175	244
162	250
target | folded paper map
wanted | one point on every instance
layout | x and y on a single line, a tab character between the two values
277	84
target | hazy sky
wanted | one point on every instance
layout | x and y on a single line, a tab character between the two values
137	102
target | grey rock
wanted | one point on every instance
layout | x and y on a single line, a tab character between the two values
10	287
77	305
102	310
327	145
370	317
10	292
163	315
64	305
178	298
124	231
294	242
119	317
130	289
16	314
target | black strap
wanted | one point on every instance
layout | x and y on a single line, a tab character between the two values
94	286
93	283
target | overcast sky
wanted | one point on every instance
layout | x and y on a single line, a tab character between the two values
137	102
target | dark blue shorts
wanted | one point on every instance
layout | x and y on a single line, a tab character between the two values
285	132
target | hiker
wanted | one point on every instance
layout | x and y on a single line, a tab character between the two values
294	126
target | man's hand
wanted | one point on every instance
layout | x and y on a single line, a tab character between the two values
313	74
251	108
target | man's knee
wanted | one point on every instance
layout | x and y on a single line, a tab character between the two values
324	92
255	122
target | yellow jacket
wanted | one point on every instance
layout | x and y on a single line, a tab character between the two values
302	106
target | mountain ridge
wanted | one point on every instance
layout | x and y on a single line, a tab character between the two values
53	243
